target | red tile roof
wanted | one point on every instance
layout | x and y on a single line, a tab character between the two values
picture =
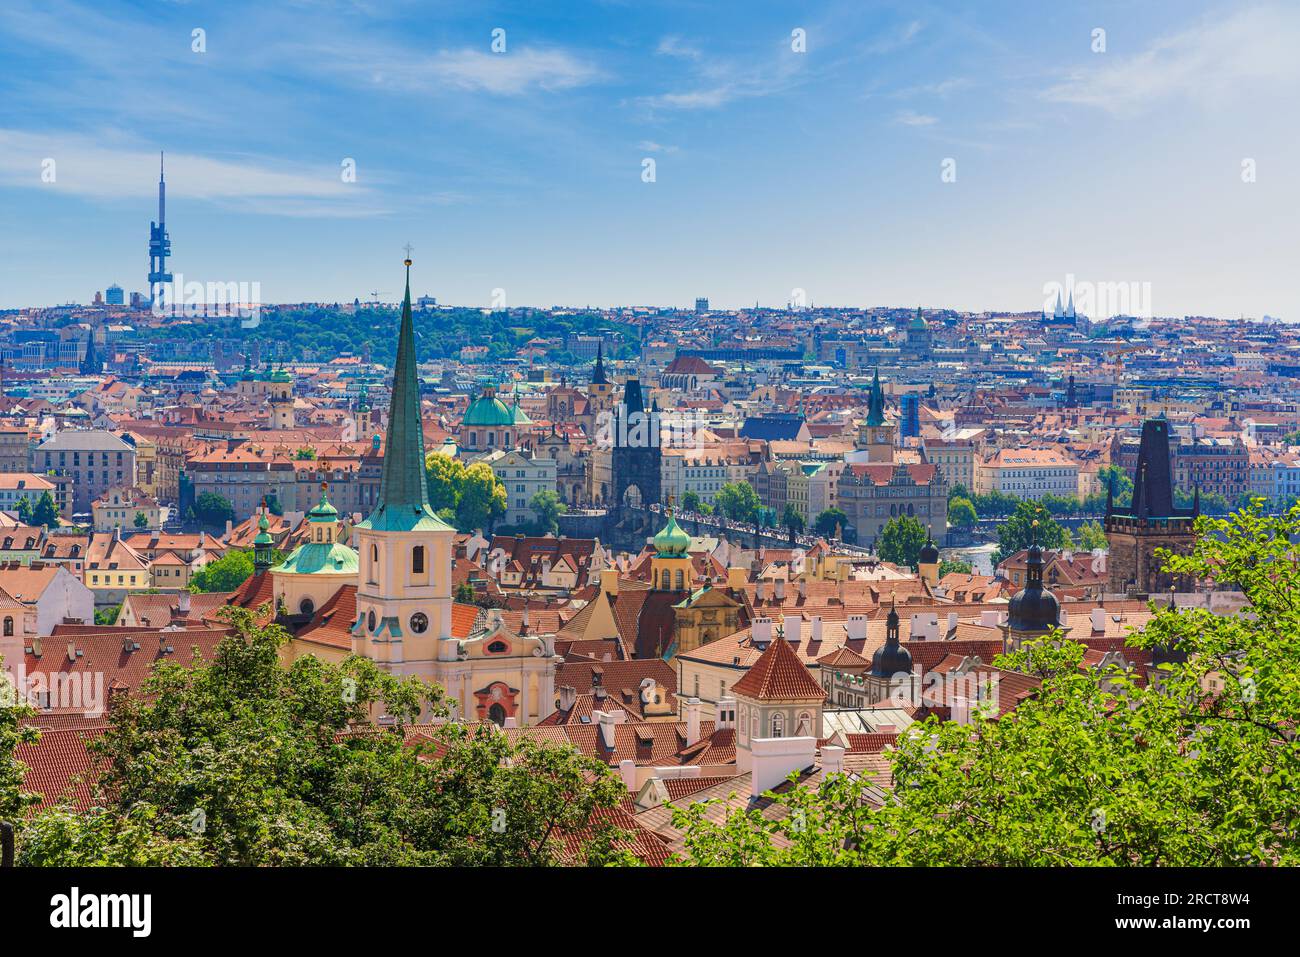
779	675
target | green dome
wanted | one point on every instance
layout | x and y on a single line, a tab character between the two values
263	536
671	540
324	511
488	410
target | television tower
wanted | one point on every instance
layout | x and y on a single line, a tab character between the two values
160	245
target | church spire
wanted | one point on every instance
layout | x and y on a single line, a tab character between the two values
876	406
598	373
403	489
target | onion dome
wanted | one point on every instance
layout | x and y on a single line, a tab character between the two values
891	658
929	553
1034	608
323	511
672	541
263	536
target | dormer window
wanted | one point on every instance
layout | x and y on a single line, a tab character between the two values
498	648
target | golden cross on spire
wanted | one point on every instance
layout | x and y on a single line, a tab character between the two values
409	249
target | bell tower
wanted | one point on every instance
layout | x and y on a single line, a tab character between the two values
404	593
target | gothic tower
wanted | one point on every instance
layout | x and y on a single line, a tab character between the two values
1150	522
635	459
281	399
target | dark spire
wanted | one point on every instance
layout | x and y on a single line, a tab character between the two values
876	407
1153	488
403	490
598	373
91	365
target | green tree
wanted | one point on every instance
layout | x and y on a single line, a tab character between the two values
1092	536
141	520
213	509
225	574
548	508
954	566
24	511
901	541
446	478
690	502
482	499
46	512
108	616
1198	768
830	522
737	501
1017	531
246	762
961	513
792	520
14	711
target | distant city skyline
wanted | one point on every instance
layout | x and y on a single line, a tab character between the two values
850	155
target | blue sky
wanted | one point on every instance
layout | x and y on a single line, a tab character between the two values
775	170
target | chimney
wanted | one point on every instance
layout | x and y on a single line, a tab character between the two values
778	588
833	759
990	618
803	588
1064	617
726	714
607	721
772	760
855	626
737	578
627	771
760	593
510	722
230	527
762	632
609	581
72	651
952	622
1098	617
691	712
815	625
793	627
568	697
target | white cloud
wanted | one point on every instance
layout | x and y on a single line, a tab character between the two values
912	118
504	74
650	146
898	39
1218	60
673	46
86	167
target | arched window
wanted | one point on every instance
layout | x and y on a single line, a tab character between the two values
417	560
680	580
778	725
803	727
374	564
497	714
666	580
9	626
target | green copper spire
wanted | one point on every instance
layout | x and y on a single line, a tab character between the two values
876	408
403	492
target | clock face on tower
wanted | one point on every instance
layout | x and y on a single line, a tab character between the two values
419	622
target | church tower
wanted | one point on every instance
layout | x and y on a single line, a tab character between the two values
670	566
875	436
281	399
600	391
365	420
1150	522
404	593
